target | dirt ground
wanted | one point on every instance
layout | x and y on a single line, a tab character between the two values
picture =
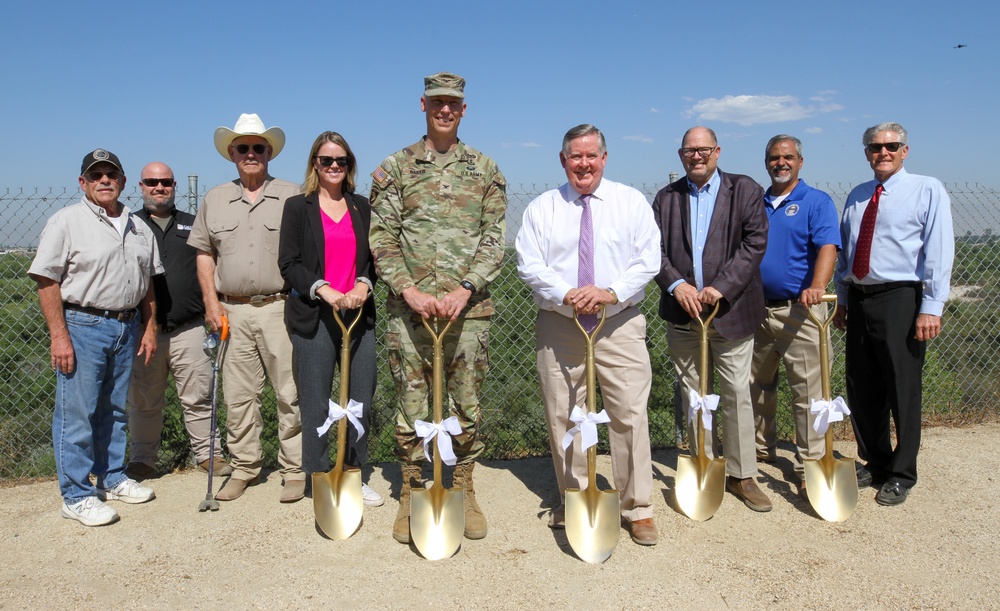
939	550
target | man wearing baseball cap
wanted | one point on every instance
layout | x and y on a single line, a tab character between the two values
236	233
93	268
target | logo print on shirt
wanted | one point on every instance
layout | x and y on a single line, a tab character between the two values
792	210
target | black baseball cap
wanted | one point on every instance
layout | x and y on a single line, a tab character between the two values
98	156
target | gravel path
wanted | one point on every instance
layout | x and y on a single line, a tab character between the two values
940	548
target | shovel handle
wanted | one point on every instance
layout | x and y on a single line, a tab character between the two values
824	324
224	329
591	374
438	338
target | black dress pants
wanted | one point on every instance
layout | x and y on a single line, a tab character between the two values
884	365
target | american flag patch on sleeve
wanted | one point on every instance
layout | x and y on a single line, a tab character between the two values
379	174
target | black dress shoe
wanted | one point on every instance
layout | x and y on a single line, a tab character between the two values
868	478
891	493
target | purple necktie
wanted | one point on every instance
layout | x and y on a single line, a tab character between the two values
585	268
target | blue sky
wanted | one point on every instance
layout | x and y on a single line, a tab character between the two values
151	81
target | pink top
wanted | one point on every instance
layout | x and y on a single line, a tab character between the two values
341	252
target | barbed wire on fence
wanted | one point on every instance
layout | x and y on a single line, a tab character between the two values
961	373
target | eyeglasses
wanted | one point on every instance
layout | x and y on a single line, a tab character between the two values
704	151
329	161
892	147
257	148
163	182
96	175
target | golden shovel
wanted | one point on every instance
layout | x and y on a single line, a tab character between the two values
831	483
437	514
337	500
593	516
700	484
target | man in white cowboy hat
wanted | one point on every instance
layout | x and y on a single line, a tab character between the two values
236	233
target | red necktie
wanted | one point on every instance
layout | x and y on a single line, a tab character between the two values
863	250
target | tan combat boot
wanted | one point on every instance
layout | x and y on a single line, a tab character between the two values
401	527
475	521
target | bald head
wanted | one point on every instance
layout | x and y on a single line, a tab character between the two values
157	199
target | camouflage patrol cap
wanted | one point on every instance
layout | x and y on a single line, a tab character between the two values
444	83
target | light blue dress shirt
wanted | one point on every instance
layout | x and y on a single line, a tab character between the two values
914	237
702	206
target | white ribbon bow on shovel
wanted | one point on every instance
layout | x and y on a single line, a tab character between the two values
828	412
586	426
443	431
353	413
707	404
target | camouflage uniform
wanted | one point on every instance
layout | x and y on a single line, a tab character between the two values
438	219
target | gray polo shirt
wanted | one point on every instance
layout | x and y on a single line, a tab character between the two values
243	236
96	264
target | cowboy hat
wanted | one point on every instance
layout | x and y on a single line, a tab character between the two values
248	125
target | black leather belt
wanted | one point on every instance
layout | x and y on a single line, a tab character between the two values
872	289
779	303
170	327
119	315
254	299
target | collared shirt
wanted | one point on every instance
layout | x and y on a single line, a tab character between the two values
702	206
178	294
914	239
243	236
626	245
96	264
438	219
804	221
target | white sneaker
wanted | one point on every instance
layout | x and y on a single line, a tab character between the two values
91	511
372	498
129	491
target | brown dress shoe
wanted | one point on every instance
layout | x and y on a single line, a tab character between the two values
222	467
802	489
139	471
294	490
234	489
747	491
557	517
643	531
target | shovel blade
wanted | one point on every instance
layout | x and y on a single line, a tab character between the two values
593	519
699	486
337	502
832	487
437	521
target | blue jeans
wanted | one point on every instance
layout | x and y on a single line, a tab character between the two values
88	426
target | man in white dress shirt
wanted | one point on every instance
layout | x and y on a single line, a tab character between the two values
622	246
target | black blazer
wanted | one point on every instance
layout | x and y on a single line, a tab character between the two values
301	254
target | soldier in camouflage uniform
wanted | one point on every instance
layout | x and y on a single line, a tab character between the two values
437	236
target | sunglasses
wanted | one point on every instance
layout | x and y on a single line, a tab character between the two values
892	147
329	161
257	148
163	182
96	175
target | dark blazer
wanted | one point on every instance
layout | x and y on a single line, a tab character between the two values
301	257
737	237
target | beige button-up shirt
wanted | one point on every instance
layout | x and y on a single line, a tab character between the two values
243	236
95	264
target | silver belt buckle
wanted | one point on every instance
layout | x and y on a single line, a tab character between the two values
257	300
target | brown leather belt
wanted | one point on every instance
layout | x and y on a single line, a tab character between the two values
119	315
253	299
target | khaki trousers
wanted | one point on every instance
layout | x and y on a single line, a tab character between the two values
259	345
625	377
789	335
181	353
731	360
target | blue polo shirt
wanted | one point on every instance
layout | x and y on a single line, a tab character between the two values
803	223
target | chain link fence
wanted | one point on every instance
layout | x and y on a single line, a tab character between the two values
961	384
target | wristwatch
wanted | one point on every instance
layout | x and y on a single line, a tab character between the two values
614	295
465	284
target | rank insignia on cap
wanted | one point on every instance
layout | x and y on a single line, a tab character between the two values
101	155
379	175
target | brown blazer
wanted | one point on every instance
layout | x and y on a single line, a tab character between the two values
737	237
302	252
